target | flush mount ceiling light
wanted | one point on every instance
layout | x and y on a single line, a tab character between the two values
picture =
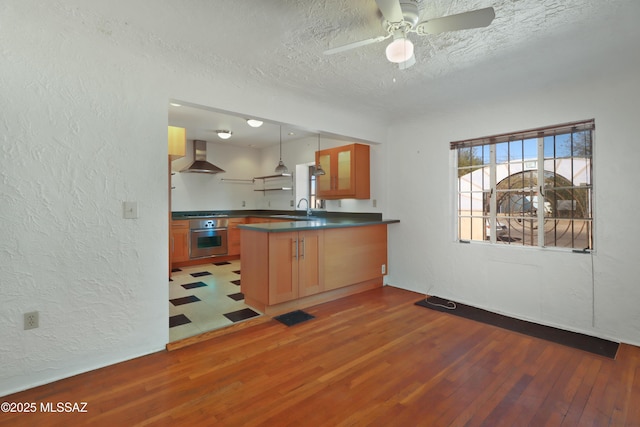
224	134
281	168
399	50
254	123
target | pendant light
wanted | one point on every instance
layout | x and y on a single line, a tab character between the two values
319	171
281	168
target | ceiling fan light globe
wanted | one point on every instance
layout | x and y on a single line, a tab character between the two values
399	50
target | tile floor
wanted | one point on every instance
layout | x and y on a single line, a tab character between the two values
206	297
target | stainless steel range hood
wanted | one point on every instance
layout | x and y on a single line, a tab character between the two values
200	164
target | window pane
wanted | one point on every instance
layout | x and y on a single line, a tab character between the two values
558	173
566	233
563	145
530	149
581	171
476	156
502	152
582	144
549	147
515	150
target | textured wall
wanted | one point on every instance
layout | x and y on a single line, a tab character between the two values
84	116
548	286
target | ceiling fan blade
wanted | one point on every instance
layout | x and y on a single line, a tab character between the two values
390	10
408	63
355	45
461	21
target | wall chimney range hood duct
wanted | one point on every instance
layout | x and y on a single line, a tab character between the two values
200	164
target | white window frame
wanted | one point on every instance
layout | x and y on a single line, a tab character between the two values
493	218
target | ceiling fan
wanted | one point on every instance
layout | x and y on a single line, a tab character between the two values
401	18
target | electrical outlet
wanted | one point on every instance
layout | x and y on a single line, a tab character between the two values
375	203
291	203
339	203
384	268
31	320
244	204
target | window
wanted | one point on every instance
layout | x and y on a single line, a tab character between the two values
315	202
531	188
306	185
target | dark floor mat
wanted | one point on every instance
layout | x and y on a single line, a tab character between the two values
236	282
294	317
221	263
576	340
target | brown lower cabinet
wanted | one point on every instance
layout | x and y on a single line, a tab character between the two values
179	241
294	268
233	236
287	270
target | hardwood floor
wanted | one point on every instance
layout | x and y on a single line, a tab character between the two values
368	359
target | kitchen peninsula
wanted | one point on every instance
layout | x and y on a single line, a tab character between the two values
306	261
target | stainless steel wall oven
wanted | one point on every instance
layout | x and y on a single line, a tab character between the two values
208	237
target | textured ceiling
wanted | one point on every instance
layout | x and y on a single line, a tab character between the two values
531	45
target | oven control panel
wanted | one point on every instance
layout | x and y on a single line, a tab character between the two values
199	224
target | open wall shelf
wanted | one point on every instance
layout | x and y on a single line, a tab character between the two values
278	182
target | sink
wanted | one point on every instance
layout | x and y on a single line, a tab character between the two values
298	217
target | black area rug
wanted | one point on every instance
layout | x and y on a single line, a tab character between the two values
588	343
294	317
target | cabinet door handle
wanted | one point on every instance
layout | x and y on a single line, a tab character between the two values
303	251
295	250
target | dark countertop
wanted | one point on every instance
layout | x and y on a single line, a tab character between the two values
299	220
312	224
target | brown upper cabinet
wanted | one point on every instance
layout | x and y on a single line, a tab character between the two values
346	172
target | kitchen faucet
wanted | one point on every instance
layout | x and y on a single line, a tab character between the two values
308	207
